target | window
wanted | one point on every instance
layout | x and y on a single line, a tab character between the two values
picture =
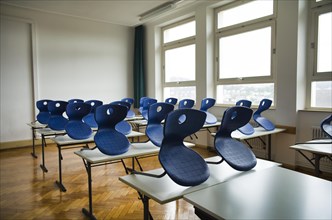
179	54
320	64
245	38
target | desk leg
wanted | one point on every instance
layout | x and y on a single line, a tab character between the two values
317	161
33	153
89	213
42	166
59	183
145	200
269	147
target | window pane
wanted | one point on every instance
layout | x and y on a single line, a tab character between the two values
188	92
245	12
180	64
321	94
230	94
180	32
245	55
324	48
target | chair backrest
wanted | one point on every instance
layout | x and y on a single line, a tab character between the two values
130	113
171	100
146	104
141	102
247	128
43	115
234	152
108	139
89	119
326	126
205	105
123	126
70	101
57	121
259	119
75	127
182	164
157	113
186	103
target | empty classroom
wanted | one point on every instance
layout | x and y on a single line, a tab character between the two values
168	109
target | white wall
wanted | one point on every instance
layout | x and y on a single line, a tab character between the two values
77	58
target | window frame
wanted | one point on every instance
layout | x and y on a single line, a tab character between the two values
251	25
172	45
317	8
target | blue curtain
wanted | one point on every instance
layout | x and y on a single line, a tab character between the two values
139	78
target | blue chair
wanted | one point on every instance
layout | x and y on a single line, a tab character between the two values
146	104
171	100
108	140
70	101
186	103
44	115
234	152
261	120
123	126
247	128
326	126
157	113
130	113
76	128
205	105
57	122
182	164
89	119
141	101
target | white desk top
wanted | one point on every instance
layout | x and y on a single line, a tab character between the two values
49	132
259	131
36	125
274	193
164	190
136	149
140	122
66	140
137	117
218	123
325	149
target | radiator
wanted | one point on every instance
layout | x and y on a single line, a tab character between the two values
325	163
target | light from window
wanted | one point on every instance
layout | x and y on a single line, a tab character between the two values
324	48
180	64
245	12
185	92
321	94
180	32
245	55
230	94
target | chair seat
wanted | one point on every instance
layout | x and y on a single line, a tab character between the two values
108	141
43	117
155	134
90	120
247	129
265	123
57	123
124	127
236	154
210	118
78	130
183	165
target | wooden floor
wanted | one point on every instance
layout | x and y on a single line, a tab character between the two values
28	193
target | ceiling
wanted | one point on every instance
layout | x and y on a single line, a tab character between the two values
122	12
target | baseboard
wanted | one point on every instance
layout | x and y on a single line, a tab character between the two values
19	144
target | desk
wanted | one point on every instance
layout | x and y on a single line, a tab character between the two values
273	193
34	126
259	132
164	190
47	132
319	148
65	141
93	158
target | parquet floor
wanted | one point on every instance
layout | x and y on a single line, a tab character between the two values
28	193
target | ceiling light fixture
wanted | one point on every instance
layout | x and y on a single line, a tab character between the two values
159	10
